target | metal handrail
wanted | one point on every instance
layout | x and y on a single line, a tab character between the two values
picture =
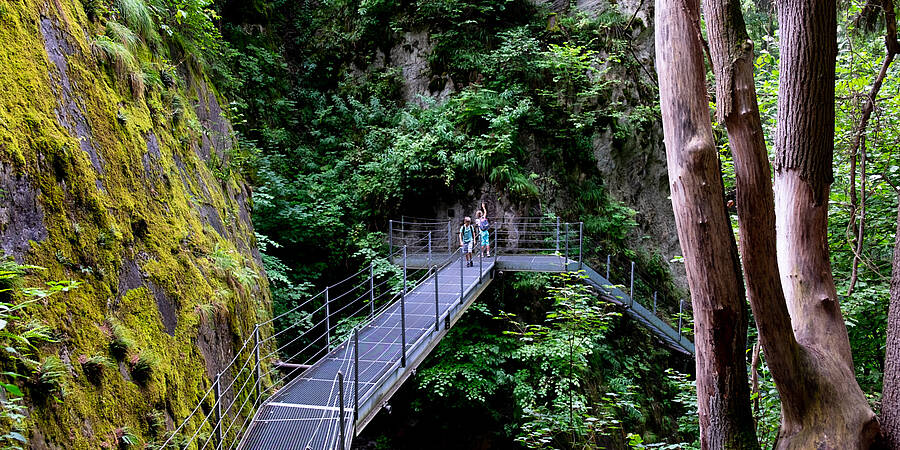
365	296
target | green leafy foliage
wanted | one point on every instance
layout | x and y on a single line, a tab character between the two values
554	364
22	339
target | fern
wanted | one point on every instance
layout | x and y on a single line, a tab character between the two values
123	62
122	34
49	377
137	17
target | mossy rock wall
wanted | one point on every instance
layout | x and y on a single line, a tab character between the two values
118	189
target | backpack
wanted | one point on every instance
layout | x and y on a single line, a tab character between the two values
469	228
484	225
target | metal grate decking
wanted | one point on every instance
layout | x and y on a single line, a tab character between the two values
305	413
347	349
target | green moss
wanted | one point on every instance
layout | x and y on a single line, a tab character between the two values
148	218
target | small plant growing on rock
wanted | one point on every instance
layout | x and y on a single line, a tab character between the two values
157	421
126	438
142	366
49	377
122	343
209	310
94	366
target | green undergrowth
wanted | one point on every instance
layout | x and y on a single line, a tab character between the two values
541	362
112	366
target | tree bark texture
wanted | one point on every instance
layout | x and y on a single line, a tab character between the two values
890	403
710	255
736	105
831	410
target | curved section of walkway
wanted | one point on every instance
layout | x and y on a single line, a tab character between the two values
334	399
307	412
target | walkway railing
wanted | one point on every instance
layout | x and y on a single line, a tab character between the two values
328	324
549	235
520	235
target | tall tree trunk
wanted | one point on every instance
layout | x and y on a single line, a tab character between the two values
704	230
831	410
890	403
732	55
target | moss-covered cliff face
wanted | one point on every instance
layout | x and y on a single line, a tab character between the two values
110	175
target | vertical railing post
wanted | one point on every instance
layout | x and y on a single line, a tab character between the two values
631	288
371	290
429	248
437	303
327	321
390	239
608	259
218	406
654	302
480	264
355	376
680	311
449	238
496	242
557	235
257	373
567	246
341	400
462	257
580	245
404	269
403	329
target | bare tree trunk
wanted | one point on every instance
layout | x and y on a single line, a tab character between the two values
831	410
704	230
736	105
890	403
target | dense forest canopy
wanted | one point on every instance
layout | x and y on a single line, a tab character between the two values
345	114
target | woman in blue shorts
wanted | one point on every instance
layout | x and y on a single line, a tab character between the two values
483	227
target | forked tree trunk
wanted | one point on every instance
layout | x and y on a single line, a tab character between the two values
890	402
831	410
732	55
704	230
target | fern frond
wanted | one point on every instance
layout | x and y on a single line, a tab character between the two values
137	17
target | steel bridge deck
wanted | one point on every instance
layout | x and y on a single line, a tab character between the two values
305	413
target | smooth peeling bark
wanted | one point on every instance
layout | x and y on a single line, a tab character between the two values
831	411
704	230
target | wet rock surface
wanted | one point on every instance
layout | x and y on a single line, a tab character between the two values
21	213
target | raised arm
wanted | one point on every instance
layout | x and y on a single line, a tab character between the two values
483	211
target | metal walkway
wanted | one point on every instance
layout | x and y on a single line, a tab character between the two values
343	353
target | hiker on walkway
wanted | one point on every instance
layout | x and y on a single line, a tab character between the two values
467	239
483	226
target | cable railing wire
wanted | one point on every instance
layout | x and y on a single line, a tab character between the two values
329	316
